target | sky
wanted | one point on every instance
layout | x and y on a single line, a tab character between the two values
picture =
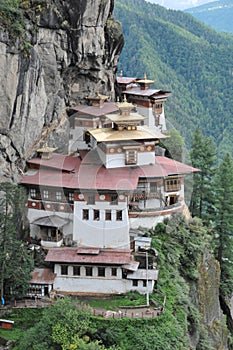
180	4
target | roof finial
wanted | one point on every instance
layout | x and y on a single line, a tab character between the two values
145	77
121	73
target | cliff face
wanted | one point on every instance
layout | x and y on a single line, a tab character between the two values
205	294
74	50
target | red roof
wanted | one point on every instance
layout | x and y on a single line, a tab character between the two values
153	93
106	108
57	161
125	80
105	256
42	276
88	175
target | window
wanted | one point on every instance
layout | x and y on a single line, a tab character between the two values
85	214
135	283
76	270
172	184
114	199
108	215
114	271
58	195
153	187
64	270
33	192
88	271
119	215
96	215
71	196
131	157
91	199
144	283
46	194
101	272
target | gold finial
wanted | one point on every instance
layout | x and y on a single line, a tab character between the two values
145	77
121	73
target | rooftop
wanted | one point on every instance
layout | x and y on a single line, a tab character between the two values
89	174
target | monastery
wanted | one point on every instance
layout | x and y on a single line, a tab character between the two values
87	207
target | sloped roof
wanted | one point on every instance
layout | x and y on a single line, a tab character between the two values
142	133
106	108
42	276
89	174
105	256
51	221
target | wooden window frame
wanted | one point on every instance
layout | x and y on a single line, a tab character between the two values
131	157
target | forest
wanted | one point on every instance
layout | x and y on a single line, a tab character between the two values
185	56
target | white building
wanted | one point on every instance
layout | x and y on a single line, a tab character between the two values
82	207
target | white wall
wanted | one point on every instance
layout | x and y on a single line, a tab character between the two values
150	119
95	284
101	233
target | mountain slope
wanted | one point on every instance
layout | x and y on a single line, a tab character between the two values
185	56
217	14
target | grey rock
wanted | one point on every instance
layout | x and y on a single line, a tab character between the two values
75	47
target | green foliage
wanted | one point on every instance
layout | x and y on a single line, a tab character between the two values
186	57
203	157
224	222
15	262
174	145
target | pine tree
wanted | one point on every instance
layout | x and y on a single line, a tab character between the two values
203	157
224	222
15	261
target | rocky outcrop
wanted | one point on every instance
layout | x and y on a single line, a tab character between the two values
72	51
208	303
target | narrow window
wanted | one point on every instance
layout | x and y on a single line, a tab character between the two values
153	187
64	270
144	283
71	196
101	272
33	192
114	271
46	194
58	195
131	157
108	215
85	214
76	270
88	271
119	215
96	214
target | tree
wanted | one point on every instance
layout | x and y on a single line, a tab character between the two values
15	261
224	222
174	145
203	157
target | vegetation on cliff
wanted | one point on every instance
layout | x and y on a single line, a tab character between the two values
180	246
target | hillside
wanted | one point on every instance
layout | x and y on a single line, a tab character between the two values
186	57
217	14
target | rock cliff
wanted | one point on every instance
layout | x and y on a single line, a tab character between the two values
70	49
